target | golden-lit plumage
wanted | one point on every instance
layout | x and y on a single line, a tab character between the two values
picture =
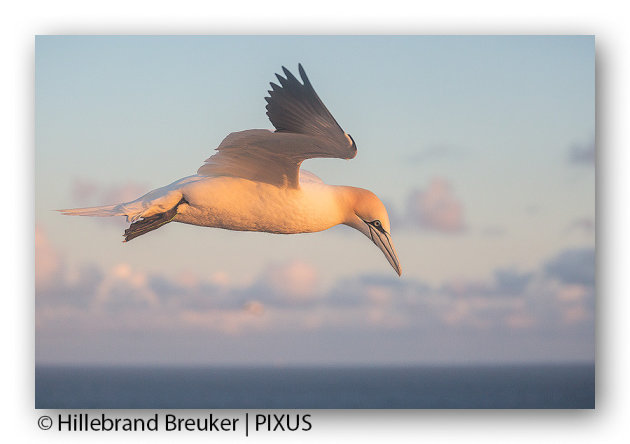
254	181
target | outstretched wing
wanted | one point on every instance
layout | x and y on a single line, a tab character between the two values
295	107
304	129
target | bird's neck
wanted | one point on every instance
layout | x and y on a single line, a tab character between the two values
348	199
334	204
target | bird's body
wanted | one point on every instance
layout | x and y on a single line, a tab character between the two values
254	181
244	205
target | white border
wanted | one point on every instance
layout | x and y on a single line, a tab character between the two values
20	22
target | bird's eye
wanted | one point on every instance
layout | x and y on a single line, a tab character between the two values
377	223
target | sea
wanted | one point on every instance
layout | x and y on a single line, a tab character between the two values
549	386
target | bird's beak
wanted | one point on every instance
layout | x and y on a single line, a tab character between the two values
384	242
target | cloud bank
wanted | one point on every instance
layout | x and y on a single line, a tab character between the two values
87	313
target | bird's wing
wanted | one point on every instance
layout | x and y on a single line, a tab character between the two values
304	129
295	107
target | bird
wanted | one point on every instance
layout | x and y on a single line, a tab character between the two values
254	181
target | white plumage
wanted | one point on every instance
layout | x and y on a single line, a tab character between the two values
254	181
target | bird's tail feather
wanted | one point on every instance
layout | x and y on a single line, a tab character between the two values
104	211
143	217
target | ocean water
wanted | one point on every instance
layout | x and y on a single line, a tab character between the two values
428	387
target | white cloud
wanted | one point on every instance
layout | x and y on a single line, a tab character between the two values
572	293
296	281
47	261
436	208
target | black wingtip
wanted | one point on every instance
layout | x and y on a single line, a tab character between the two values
282	80
303	74
285	73
353	146
290	76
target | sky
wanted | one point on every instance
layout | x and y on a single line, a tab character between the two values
482	149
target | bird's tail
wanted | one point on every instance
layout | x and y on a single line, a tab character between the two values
140	224
104	211
147	213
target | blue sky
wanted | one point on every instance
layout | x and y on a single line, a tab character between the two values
481	147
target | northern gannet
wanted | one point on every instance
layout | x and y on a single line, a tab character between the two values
254	181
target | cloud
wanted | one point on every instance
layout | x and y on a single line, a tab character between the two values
47	261
511	282
582	154
122	289
291	292
295	281
288	301
573	266
487	305
572	293
436	208
572	274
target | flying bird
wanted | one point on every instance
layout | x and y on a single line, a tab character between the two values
254	181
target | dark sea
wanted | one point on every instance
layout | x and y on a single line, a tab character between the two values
423	387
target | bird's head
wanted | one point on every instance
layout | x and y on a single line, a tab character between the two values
370	217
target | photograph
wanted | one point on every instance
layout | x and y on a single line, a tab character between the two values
315	221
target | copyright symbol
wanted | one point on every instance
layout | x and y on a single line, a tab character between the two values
45	422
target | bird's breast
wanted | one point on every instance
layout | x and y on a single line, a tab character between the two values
244	205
